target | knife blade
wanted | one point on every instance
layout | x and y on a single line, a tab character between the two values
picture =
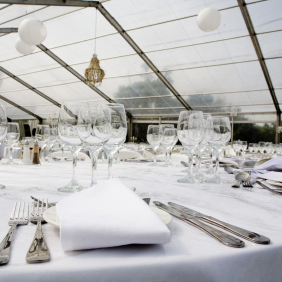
243	233
221	236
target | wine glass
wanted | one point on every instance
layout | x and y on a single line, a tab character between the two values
218	133
244	148
190	131
42	135
165	147
3	129
237	145
67	129
154	139
94	129
269	148
118	134
261	147
12	136
168	139
52	141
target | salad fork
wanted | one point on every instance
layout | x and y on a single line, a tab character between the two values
19	216
38	251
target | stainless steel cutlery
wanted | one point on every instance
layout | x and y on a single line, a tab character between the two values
18	216
194	218
38	251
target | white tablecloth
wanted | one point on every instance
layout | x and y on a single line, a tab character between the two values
191	255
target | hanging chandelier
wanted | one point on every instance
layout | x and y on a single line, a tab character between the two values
94	74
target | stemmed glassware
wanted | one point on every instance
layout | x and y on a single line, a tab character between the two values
165	146
13	136
237	145
42	135
94	129
3	129
118	134
269	148
244	148
168	140
67	128
154	139
261	147
190	131
218	134
52	141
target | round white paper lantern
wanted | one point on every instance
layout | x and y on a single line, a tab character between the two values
23	48
32	31
209	19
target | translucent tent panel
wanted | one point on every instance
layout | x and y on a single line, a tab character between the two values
50	77
228	78
266	15
15	11
235	50
123	66
136	14
152	102
156	111
144	85
271	44
72	91
240	109
9	84
25	98
275	70
106	47
230	99
278	93
77	26
27	64
44	14
186	32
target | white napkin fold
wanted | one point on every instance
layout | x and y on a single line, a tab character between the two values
107	215
271	165
275	176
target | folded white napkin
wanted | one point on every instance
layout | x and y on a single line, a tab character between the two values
275	176
271	165
107	215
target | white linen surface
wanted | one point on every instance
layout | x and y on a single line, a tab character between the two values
273	164
273	175
107	215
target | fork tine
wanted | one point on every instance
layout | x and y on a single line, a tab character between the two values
18	211
22	211
26	211
13	211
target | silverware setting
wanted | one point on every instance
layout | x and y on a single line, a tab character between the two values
38	251
19	216
194	218
269	189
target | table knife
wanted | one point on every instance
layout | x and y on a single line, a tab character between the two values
248	235
222	237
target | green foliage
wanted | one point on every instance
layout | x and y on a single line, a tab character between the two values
254	133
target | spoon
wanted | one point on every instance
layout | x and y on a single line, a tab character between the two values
242	176
229	169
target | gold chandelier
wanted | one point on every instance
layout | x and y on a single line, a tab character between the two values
94	74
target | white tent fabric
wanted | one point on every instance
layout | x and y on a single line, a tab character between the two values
213	71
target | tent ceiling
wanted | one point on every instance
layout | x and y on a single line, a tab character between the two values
211	71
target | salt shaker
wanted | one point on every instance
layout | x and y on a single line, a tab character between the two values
26	153
35	160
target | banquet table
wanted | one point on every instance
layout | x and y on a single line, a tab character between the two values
190	256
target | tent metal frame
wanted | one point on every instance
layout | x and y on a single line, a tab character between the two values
95	4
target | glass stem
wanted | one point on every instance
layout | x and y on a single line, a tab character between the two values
11	154
211	161
110	165
93	155
169	155
74	151
190	162
155	154
216	152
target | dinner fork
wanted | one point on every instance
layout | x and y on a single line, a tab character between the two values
38	251
19	216
247	184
